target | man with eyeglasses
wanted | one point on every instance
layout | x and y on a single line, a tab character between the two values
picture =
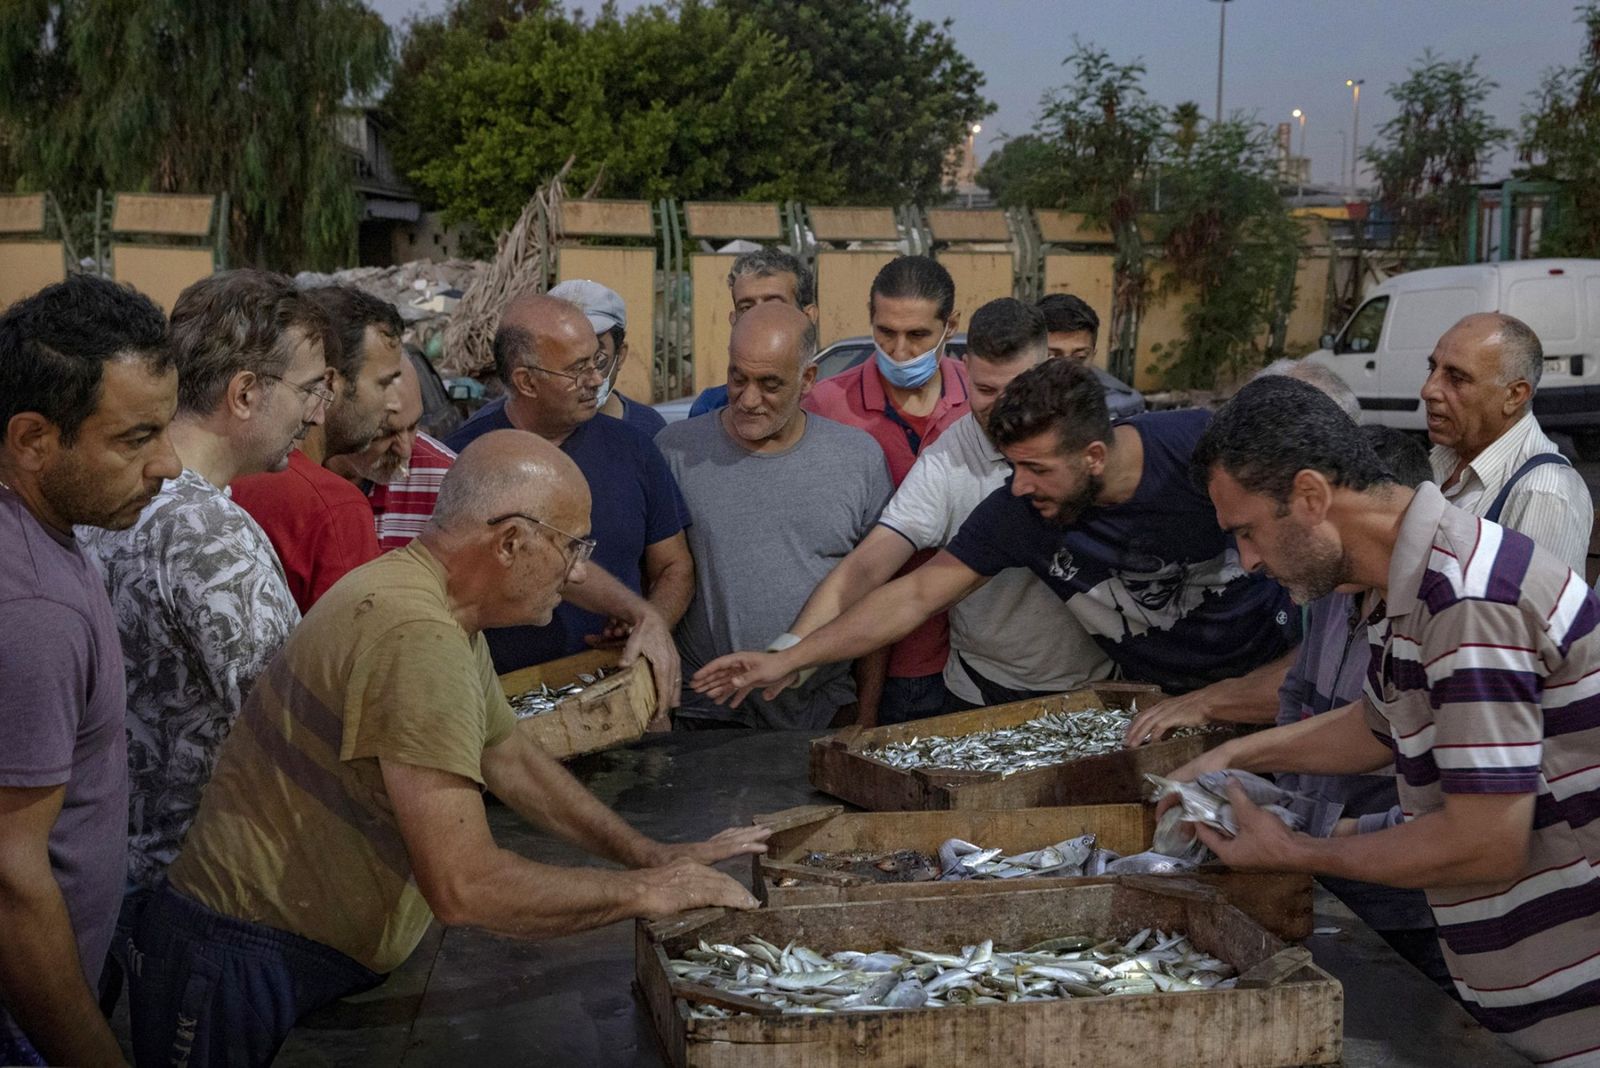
320	524
552	367
608	316
347	808
200	598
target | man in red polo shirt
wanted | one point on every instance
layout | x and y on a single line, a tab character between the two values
905	397
320	524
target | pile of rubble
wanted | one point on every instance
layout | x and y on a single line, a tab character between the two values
421	290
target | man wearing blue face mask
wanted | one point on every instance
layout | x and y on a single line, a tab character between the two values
905	397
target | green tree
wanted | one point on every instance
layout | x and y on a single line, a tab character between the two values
1228	239
197	96
1011	175
685	101
1432	152
1105	131
1561	141
901	95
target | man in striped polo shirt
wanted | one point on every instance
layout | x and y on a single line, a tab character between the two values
1483	690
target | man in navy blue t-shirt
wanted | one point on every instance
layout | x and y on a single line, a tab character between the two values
1108	519
552	366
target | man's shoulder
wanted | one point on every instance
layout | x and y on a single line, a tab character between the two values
842	437
430	452
398	589
606	442
491	416
679	436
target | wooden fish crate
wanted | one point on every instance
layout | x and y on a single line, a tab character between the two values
1279	901
1285	1010
840	766
611	712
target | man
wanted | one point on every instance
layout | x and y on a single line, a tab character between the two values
1013	639
86	392
778	497
1489	455
551	365
1484	648
321	525
201	600
761	277
609	318
905	397
1255	696
1107	518
400	472
1074	330
347	809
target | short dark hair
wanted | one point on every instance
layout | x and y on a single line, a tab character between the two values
1060	395
1276	427
1401	452
766	262
237	321
1067	314
55	344
1004	329
919	277
350	311
619	335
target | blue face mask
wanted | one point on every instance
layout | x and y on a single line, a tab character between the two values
913	373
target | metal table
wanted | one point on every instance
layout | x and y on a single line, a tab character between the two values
466	997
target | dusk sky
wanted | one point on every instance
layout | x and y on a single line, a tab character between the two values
1281	54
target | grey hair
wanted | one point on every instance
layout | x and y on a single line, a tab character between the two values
808	344
1315	374
766	262
1521	355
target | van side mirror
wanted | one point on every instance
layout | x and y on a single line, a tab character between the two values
1326	341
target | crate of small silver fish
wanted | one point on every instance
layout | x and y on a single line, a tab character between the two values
821	853
1121	974
1062	750
582	703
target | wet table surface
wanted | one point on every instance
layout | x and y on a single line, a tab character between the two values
466	997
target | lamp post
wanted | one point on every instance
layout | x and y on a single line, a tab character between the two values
1222	38
1355	85
1301	167
971	162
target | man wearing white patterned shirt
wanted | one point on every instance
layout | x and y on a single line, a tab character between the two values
1490	456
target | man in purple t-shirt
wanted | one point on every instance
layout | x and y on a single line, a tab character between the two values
87	389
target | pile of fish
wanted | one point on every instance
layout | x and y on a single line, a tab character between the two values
1053	738
795	979
1206	801
1075	856
545	698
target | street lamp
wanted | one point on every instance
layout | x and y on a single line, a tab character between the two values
1222	37
1355	85
1301	166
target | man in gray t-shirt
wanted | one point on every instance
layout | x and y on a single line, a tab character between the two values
778	498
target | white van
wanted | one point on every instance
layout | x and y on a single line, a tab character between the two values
1382	352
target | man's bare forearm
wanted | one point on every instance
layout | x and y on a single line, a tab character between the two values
604	595
863	570
1250	698
546	794
42	984
672	589
1476	843
1338	742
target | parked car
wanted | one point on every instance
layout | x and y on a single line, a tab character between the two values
853	351
1382	351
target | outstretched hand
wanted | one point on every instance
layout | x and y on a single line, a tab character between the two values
733	842
1155	722
683	885
728	680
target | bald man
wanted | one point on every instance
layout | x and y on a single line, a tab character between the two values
779	497
552	366
346	811
1489	455
401	471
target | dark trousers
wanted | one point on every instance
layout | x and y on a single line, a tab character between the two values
990	693
114	976
910	697
207	989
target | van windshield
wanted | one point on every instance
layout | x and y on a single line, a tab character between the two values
1365	326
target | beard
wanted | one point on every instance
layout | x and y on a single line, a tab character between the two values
348	429
1319	568
1071	509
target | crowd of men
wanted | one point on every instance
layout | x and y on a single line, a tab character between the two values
257	619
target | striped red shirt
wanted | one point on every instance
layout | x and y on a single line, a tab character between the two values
403	506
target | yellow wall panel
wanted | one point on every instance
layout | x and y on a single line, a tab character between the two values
632	273
160	273
27	267
980	277
844	279
708	275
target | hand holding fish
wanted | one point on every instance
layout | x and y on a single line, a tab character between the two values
1211	760
729	679
732	842
1264	842
1154	722
684	885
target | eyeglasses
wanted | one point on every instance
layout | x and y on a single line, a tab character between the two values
320	394
600	363
577	549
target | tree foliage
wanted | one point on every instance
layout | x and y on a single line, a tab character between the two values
1229	242
1430	154
1011	173
196	96
1561	141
